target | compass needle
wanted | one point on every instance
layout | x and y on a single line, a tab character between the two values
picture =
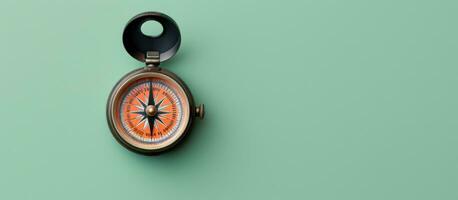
160	102
141	102
151	126
151	95
162	113
141	113
142	120
160	120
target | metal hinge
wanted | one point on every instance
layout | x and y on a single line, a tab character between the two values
152	59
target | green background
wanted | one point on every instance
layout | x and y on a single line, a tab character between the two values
305	100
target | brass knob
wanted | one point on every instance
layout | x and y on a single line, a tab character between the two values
151	110
200	111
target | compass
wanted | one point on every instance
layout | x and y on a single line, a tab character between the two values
151	109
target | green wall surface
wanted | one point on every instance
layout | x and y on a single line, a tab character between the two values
305	100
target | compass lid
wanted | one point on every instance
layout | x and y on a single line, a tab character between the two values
138	44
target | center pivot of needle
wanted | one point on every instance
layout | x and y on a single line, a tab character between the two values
151	110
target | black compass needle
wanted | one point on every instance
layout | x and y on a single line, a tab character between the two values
159	104
151	125
141	102
162	113
159	119
142	113
151	95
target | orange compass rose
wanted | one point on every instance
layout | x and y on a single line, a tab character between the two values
150	110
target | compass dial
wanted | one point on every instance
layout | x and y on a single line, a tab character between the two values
151	112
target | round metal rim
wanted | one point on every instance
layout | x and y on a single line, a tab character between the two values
111	106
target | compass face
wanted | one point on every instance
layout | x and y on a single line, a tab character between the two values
151	112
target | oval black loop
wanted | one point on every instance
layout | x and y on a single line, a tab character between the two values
137	44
